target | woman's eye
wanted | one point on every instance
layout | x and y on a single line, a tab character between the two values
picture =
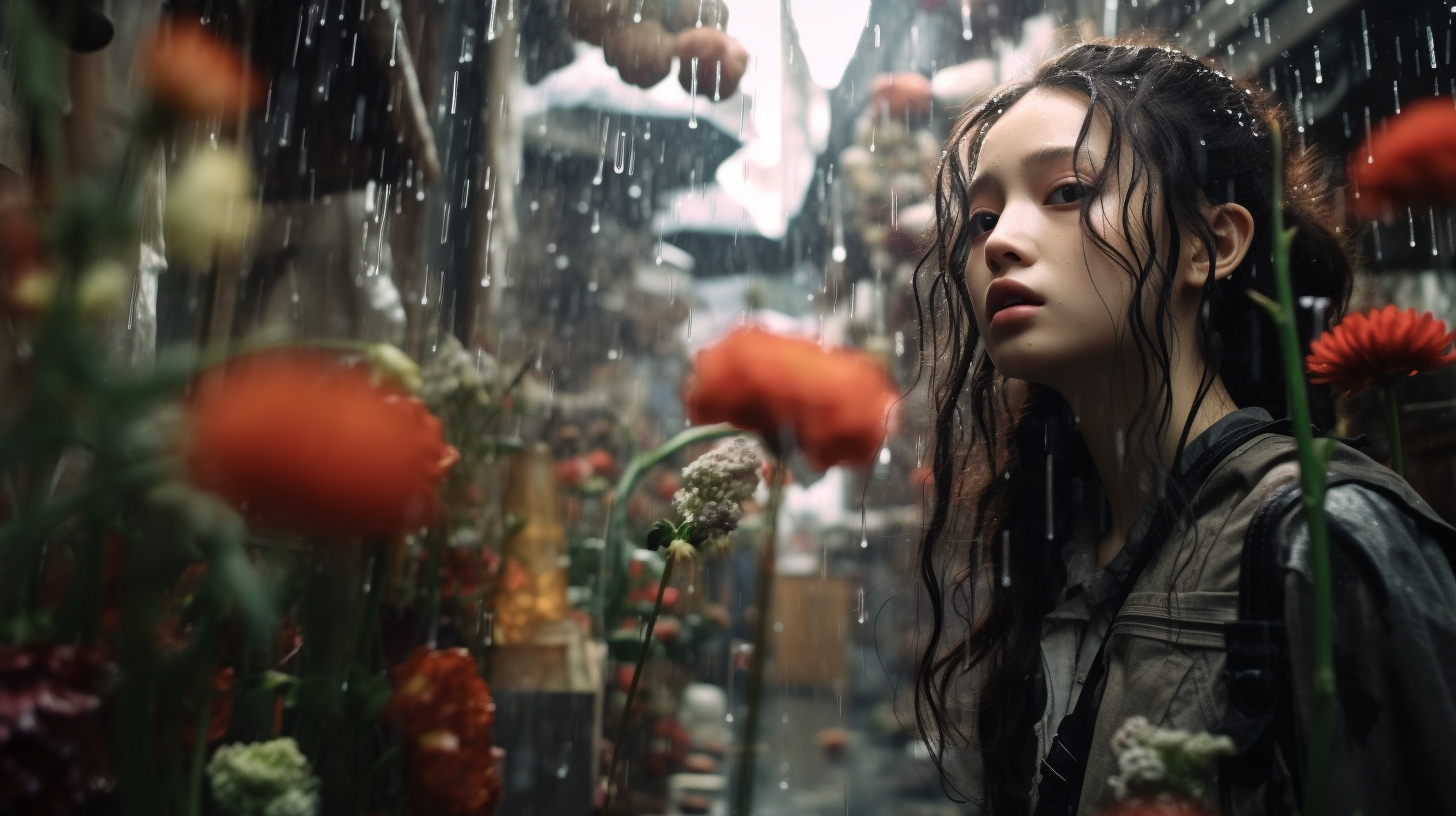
981	223
1069	193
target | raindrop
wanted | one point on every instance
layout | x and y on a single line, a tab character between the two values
718	81
965	19
877	35
1309	6
1431	45
860	605
637	15
1317	306
1375	233
1411	221
1319	74
394	44
693	92
1369	155
1005	558
1395	86
596	226
1431	214
619	155
602	154
490	31
1050	503
1365	38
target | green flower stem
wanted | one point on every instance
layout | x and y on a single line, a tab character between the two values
743	798
1392	422
609	581
1313	458
636	677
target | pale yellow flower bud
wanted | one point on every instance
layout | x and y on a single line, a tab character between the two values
393	367
104	287
210	207
34	292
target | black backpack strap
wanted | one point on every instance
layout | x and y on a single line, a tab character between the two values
1256	670
1064	768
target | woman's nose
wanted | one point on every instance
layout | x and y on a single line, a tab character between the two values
1008	244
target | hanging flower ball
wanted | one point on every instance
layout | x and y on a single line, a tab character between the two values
1381	344
835	403
192	74
719	61
1411	162
299	441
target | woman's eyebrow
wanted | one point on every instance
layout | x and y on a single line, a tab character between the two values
1033	161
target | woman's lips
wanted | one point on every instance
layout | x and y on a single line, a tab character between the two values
1014	314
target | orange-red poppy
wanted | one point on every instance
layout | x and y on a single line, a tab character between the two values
1410	162
1380	344
835	403
193	74
299	441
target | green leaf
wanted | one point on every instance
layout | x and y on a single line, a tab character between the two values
661	535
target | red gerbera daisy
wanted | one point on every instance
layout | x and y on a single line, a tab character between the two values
1382	344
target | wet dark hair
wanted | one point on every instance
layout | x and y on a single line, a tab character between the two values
1195	136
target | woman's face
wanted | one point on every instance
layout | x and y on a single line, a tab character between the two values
1051	305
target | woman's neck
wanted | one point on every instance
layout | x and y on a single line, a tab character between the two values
1127	460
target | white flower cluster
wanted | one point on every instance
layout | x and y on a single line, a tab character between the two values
1163	760
452	369
715	485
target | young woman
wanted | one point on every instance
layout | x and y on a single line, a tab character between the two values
1109	465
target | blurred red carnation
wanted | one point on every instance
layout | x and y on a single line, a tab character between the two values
1380	344
297	440
1409	162
836	403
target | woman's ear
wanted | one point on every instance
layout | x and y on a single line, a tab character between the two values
1233	233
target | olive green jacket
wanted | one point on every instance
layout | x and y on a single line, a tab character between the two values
1394	628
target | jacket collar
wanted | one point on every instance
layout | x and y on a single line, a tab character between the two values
1109	581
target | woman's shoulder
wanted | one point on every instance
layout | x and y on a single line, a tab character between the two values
1380	528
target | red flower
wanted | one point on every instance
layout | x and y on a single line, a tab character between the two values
467	571
602	463
573	472
1382	344
299	441
53	741
193	74
26	281
445	713
835	402
1411	162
